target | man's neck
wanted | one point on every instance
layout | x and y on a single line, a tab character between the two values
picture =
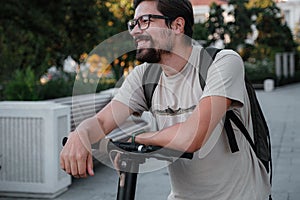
175	61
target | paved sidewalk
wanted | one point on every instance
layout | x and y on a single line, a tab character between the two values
281	108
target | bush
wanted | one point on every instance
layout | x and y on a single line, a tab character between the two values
259	70
22	87
106	83
26	87
56	88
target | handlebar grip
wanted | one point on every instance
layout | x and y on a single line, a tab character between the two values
141	148
175	153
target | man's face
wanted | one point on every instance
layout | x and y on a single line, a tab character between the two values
156	39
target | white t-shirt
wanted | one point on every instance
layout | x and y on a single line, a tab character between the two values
214	173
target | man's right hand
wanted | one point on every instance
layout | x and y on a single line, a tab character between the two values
76	157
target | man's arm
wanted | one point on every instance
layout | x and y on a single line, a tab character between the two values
76	157
192	134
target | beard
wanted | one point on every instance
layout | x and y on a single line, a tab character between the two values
150	54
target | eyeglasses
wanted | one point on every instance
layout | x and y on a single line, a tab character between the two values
143	21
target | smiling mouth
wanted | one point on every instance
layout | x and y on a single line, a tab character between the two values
141	41
142	44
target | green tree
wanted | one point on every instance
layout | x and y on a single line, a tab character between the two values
274	34
200	32
297	35
241	26
215	24
23	28
39	33
259	4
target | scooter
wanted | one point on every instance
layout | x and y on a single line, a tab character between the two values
132	156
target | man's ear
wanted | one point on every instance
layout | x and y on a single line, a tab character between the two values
178	25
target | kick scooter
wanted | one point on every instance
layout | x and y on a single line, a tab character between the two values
132	156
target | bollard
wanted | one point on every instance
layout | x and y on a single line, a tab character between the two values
268	85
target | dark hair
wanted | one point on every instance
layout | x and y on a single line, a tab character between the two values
174	9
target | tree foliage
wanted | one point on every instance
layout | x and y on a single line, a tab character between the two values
40	33
215	24
274	33
241	26
200	32
260	4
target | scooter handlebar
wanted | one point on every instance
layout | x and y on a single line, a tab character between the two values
141	148
155	151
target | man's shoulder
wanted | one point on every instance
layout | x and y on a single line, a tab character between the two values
141	66
227	52
222	53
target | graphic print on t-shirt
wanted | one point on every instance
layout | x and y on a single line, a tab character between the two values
171	112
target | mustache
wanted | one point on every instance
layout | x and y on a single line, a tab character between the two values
142	37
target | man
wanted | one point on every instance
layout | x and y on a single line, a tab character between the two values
188	118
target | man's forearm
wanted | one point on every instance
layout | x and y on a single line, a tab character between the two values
191	134
110	117
171	137
90	130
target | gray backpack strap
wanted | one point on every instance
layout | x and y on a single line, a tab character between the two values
150	80
207	56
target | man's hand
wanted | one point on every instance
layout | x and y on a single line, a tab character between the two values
76	158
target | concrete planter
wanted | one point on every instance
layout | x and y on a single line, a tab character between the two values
30	143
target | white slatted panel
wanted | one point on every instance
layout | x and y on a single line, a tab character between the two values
21	149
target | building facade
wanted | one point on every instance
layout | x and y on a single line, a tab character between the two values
290	10
201	8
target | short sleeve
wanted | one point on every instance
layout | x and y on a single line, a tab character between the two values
225	77
131	92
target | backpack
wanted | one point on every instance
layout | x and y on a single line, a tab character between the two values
261	144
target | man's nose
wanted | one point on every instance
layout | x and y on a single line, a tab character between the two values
136	30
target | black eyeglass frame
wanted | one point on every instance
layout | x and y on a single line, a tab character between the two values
132	23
